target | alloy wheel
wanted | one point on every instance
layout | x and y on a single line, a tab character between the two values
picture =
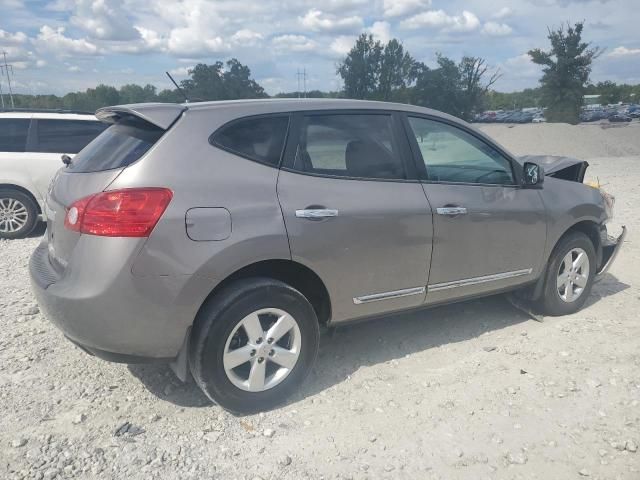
573	275
13	215
262	350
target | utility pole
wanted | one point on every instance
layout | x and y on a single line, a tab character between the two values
8	70
1	95
302	74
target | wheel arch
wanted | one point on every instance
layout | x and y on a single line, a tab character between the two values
294	274
12	186
591	228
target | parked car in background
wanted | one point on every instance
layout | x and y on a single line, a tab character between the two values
220	236
620	117
31	145
538	118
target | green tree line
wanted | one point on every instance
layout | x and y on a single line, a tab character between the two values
388	72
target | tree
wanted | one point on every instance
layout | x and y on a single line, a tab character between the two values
220	82
238	82
398	70
458	89
205	82
132	93
566	70
372	70
360	70
438	88
474	87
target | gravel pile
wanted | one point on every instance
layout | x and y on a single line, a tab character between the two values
580	141
475	390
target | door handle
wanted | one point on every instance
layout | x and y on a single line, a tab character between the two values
451	211
313	213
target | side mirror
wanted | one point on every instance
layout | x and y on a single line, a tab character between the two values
532	175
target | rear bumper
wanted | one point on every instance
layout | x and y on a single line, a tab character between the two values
118	357
610	249
108	312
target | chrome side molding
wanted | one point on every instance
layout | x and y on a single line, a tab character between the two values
465	282
375	297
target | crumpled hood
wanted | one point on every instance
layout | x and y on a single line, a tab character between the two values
566	168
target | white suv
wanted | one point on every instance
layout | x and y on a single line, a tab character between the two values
31	146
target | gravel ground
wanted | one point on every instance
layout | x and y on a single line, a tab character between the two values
474	390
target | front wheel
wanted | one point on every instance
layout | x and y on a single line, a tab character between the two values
570	275
253	343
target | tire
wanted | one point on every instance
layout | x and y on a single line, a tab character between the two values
18	214
218	330
563	300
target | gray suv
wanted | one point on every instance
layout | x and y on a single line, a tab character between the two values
220	236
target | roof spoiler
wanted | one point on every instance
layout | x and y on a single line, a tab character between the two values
159	114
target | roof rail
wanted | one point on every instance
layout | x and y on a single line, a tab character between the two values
44	110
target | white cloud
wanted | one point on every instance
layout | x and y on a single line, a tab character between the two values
381	31
624	52
399	8
106	20
180	71
293	43
55	41
246	37
12	38
318	21
73	69
439	19
342	45
496	29
504	12
188	41
152	39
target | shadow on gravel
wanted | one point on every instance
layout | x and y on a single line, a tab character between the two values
162	382
606	286
377	341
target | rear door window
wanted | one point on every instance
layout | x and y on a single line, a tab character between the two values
66	136
13	134
349	145
118	146
256	138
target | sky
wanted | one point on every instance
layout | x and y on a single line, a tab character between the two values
69	45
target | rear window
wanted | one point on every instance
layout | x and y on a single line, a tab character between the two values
257	138
13	134
118	146
67	136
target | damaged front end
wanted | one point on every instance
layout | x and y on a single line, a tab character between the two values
610	249
564	168
573	170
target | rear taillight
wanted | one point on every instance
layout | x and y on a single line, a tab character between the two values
131	212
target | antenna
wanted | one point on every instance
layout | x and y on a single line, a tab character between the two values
178	87
8	70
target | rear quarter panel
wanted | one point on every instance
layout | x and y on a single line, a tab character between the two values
201	175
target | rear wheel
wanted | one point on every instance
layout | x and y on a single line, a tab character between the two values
570	275
253	344
18	214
